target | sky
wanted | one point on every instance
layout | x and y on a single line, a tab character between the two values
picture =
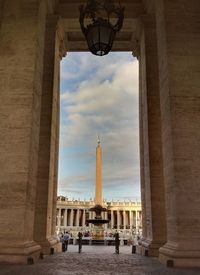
99	96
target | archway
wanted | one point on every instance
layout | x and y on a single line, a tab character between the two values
34	37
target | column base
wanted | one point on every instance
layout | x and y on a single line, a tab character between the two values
16	252
47	245
173	254
151	248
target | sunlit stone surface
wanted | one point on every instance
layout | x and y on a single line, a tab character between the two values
164	35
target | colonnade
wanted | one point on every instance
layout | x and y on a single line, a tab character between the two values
119	219
125	219
70	217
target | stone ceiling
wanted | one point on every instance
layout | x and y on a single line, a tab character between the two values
75	40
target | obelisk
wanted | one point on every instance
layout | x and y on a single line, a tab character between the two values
98	221
98	190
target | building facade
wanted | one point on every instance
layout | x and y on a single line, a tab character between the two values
123	216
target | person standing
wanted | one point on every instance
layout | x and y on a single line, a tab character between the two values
66	239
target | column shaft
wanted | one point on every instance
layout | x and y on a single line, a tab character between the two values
112	219
152	186
45	177
71	217
136	221
90	217
77	217
124	219
65	218
83	220
21	66
118	219
179	65
106	217
59	218
131	219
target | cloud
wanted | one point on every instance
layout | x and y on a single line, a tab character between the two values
101	99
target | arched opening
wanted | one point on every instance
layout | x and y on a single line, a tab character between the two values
164	35
99	96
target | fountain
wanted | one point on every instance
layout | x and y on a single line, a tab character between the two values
98	222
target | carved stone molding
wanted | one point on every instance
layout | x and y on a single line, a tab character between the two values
62	38
136	47
135	41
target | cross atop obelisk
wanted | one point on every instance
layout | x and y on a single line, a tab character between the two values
98	190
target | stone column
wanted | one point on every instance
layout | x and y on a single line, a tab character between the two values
131	220
179	65
106	217
65	218
152	182
71	217
60	52
136	222
112	219
118	219
22	31
124	219
47	162
59	218
142	119
83	219
90	217
77	217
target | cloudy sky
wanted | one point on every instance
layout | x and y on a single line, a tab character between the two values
99	96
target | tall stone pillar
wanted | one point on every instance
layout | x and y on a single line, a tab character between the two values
77	217
60	52
65	218
179	66
131	220
106	217
47	162
124	219
83	219
118	219
136	222
90	217
112	219
152	182
59	218
22	32
71	217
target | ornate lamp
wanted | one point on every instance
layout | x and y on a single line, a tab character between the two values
100	20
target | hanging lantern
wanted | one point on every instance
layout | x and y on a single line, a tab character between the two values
100	20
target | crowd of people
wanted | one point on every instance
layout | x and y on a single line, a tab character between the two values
66	236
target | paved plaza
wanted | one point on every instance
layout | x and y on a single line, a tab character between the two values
95	260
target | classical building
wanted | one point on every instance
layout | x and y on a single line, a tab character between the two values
124	216
164	35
